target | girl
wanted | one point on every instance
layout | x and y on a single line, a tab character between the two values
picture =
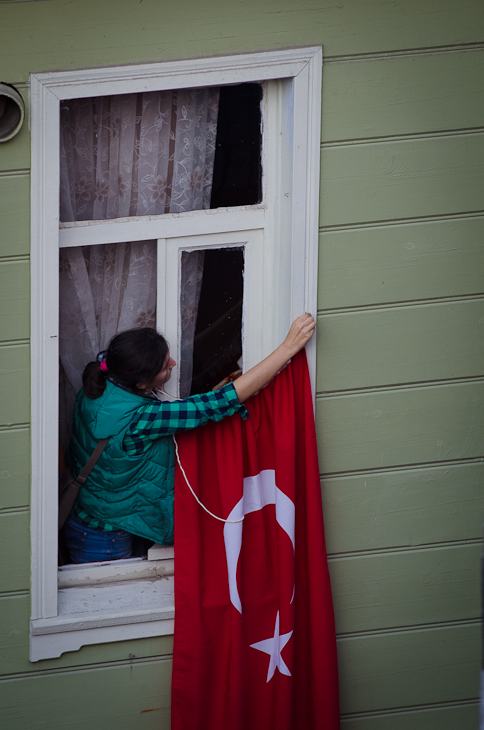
130	490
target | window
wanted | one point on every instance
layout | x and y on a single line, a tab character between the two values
151	153
272	236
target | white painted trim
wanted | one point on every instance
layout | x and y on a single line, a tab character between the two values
307	135
169	321
289	217
118	230
93	606
90	574
160	552
50	646
186	73
44	344
120	611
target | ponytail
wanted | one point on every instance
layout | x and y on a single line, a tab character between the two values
94	380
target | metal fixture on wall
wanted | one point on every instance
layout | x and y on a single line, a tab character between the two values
12	112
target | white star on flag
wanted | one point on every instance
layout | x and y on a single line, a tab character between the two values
273	647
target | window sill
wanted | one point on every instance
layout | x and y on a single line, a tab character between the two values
103	602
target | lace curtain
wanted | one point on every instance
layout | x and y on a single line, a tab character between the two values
137	154
191	286
103	290
127	155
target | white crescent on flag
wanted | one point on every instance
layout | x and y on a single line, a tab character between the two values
258	491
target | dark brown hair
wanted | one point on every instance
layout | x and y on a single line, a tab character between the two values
135	356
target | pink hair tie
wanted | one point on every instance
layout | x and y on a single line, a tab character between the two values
104	367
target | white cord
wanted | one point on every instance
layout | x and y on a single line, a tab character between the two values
220	519
155	392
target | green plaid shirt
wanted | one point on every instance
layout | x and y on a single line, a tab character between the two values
162	418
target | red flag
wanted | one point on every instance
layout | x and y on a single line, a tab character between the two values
254	629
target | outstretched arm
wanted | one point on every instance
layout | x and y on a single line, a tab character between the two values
302	329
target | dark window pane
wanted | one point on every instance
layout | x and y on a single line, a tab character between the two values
237	174
218	335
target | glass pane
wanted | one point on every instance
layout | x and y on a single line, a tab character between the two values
103	290
211	313
237	174
137	154
160	152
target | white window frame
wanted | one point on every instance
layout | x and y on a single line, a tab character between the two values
73	606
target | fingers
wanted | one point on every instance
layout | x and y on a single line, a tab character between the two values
306	317
306	322
303	323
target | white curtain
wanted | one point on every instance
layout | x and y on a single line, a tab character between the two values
191	286
127	155
103	290
137	154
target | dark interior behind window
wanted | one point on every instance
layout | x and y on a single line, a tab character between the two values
218	335
237	174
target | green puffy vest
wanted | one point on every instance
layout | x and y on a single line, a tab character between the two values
133	493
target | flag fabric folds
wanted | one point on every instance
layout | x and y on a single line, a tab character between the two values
254	629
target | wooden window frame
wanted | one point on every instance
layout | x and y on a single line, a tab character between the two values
281	240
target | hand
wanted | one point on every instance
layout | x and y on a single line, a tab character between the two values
301	331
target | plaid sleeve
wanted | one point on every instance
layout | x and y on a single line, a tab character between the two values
160	418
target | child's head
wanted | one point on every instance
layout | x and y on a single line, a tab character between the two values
133	358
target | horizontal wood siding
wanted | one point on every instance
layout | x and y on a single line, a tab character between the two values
401	669
406	426
406	344
405	179
15	213
400	508
438	259
400	380
41	37
14	385
445	717
15	554
117	696
402	96
14	300
15	467
406	587
400	384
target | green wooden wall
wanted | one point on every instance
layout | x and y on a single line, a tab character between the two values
400	404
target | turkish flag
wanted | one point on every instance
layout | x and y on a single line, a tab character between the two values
254	628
